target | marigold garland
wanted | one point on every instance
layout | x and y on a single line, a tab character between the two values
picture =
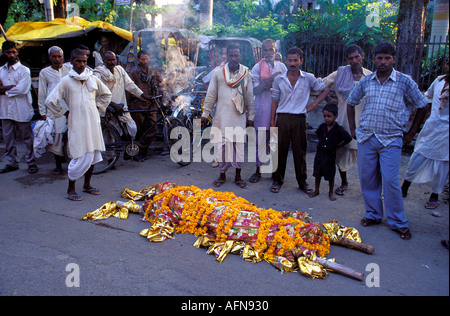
198	205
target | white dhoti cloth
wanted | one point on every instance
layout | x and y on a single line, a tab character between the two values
79	166
231	155
131	124
424	170
127	120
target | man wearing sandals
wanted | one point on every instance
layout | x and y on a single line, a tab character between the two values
263	74
342	81
231	90
290	94
389	96
83	93
429	161
49	77
16	110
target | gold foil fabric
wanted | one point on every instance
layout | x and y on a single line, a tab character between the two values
282	263
144	194
117	209
105	211
204	241
160	231
249	254
335	230
311	268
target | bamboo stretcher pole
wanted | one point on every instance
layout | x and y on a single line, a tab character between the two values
338	268
341	241
3	32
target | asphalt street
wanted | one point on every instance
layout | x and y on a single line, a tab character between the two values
46	249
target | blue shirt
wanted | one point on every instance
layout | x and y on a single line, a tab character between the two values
387	106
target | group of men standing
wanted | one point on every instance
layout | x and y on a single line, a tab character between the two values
73	98
373	107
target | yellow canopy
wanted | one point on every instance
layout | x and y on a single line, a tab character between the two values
59	28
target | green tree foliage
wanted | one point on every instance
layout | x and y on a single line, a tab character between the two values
141	10
259	28
363	21
20	11
242	18
91	10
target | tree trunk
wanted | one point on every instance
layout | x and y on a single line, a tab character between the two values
4	11
153	22
60	9
411	27
206	13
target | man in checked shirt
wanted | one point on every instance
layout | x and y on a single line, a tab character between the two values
389	96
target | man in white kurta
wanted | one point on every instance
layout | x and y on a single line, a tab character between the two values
430	159
263	74
84	95
49	78
231	90
16	110
118	81
342	81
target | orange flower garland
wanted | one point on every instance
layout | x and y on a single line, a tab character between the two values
198	205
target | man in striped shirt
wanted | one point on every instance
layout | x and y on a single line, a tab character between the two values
389	97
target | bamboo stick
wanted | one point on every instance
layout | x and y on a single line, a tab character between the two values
338	268
353	244
3	32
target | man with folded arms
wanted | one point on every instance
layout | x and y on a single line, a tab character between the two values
16	110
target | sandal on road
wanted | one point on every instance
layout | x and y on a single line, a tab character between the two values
432	205
340	191
275	188
241	183
404	233
32	169
74	197
305	188
219	182
369	222
8	168
93	191
255	177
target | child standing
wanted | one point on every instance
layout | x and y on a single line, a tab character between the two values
332	136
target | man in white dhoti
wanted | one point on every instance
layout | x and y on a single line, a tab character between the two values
430	159
342	81
263	74
83	93
118	81
231	90
49	78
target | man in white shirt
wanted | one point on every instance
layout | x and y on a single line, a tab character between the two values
118	81
290	95
16	110
49	78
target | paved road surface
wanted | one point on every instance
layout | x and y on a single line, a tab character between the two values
43	242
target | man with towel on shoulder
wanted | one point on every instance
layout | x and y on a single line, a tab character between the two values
83	93
342	81
231	90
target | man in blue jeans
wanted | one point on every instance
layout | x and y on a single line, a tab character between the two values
389	96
